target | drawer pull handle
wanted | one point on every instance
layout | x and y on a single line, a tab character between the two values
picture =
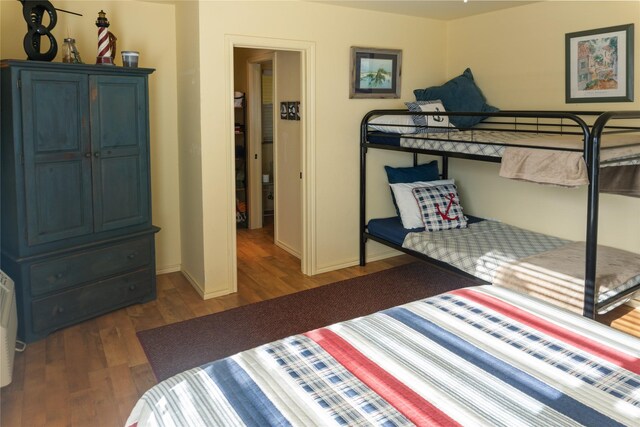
59	276
132	287
131	256
60	310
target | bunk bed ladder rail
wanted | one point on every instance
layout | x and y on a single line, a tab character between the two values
592	156
363	186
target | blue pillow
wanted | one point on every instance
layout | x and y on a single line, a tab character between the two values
460	94
425	172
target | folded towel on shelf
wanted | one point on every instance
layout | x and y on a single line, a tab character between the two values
563	168
238	97
557	275
623	180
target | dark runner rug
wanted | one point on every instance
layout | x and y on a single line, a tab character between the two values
174	348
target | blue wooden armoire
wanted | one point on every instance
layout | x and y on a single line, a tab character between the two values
77	236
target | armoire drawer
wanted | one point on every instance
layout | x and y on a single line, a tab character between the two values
89	265
88	301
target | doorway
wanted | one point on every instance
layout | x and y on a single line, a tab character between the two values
260	106
266	109
271	166
307	73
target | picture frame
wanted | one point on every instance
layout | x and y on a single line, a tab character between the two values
375	73
284	111
297	110
599	65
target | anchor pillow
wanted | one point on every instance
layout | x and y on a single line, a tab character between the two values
430	123
440	207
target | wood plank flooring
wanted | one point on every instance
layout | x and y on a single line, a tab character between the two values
92	374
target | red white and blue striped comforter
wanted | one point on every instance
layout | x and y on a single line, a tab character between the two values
475	356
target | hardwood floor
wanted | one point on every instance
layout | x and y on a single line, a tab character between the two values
92	374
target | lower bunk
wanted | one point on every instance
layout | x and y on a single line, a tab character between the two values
546	267
475	356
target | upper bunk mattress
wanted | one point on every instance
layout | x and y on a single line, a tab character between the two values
617	150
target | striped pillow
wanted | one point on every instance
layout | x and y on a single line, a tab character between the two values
432	123
440	207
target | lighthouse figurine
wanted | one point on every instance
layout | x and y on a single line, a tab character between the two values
106	40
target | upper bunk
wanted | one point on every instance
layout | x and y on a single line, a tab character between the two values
578	147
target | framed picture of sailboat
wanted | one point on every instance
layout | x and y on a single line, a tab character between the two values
375	73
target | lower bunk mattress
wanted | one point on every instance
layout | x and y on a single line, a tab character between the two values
476	356
544	266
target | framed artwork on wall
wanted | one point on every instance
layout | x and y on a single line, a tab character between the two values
375	73
284	111
599	65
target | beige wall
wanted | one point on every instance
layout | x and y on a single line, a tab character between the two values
517	57
136	25
189	142
288	155
333	30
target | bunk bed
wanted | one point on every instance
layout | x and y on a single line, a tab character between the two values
482	355
595	144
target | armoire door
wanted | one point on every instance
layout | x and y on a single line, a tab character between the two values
119	137
56	149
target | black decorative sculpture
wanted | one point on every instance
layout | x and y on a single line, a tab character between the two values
33	12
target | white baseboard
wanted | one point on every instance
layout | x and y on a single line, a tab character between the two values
216	294
194	283
383	255
169	269
200	289
289	249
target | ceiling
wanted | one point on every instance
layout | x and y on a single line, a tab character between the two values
436	9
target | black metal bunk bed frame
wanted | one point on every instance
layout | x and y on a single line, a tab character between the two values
592	137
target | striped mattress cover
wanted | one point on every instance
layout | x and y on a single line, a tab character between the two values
617	150
476	356
483	248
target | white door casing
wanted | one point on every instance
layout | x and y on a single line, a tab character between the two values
307	106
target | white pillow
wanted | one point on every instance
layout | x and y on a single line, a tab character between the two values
410	213
404	124
430	124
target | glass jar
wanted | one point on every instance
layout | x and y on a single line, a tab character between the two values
70	52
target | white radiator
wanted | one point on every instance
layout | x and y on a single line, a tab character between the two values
8	328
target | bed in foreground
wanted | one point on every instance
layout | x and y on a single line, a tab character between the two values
475	356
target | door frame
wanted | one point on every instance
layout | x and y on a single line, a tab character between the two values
307	52
254	110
